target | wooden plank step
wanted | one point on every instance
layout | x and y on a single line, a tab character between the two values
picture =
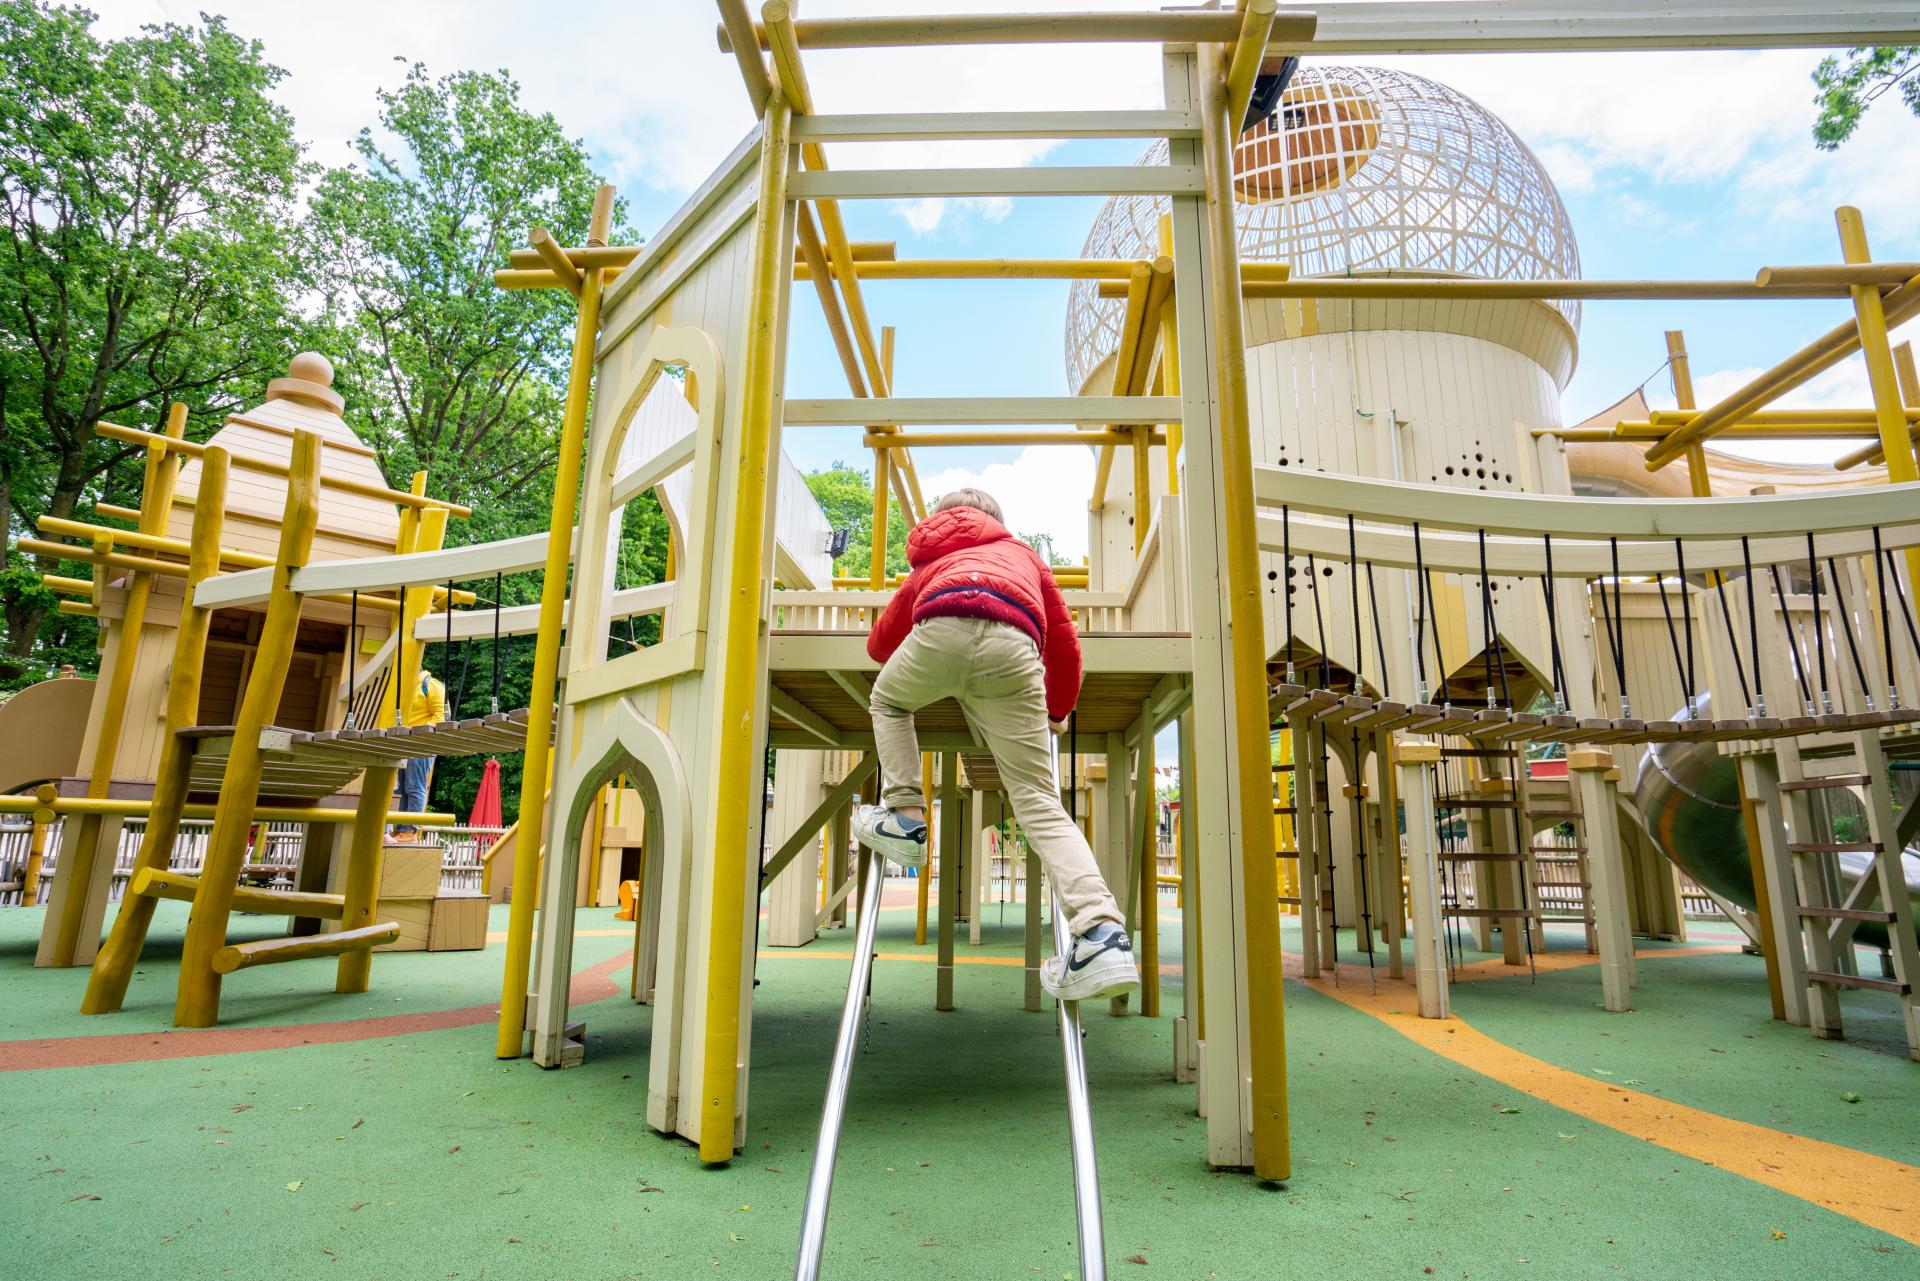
182	886
1492	913
1847	914
1552	813
1815	784
1491	856
239	956
1567	920
1286	901
1286	809
1563	885
1857	980
1286	853
1475	803
1477	753
1832	847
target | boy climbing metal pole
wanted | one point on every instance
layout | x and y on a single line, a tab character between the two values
981	620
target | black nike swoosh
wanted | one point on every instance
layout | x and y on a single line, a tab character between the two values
1075	963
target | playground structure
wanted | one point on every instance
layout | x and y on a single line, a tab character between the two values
1300	539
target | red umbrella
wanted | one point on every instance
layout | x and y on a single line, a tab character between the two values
486	802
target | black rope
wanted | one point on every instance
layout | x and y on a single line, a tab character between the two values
1686	618
1906	612
460	689
1886	620
1286	554
446	656
1673	639
1617	630
1319	622
1733	638
1353	594
1753	630
1379	638
1793	642
1819	627
494	701
1491	622
1846	631
1323	801
1548	589
1420	606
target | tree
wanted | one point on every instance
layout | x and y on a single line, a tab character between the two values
845	494
441	370
147	186
1847	89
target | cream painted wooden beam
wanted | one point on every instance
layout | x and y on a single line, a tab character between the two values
1543	26
997	124
524	620
1033	180
692	213
1449	551
787	707
840	653
1581	517
944	410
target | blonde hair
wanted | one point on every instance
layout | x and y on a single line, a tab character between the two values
978	499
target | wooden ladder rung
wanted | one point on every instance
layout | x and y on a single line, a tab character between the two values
1288	902
1286	853
1833	847
238	956
182	886
1553	813
1529	913
1475	803
1847	914
1563	885
1814	784
1485	856
1856	980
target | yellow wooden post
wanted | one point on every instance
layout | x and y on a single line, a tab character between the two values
113	968
81	854
353	972
1266	1016
43	817
1147	845
736	775
546	650
1170	361
198	1001
922	878
882	480
1890	415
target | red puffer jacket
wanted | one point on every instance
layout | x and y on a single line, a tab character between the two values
966	565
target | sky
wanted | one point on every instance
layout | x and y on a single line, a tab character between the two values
1670	165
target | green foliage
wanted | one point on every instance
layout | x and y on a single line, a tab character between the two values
147	186
441	370
1846	88
845	494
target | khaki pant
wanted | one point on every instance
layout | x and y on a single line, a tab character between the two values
993	671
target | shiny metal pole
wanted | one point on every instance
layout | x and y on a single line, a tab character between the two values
813	1222
1086	1173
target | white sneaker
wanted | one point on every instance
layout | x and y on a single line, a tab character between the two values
900	838
1099	964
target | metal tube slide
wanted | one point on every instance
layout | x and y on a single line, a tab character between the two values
813	1221
1086	1172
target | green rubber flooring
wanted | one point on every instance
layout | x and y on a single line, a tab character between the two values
421	1156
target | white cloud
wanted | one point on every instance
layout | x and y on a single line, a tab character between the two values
1043	490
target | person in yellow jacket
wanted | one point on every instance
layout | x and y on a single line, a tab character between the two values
428	706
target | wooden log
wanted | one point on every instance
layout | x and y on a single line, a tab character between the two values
240	956
182	886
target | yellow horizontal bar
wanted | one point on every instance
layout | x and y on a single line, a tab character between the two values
1844	274
116	808
969	439
70	586
113	511
988	269
618	256
80	608
1868	417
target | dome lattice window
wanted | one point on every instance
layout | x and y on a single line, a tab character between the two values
1363	170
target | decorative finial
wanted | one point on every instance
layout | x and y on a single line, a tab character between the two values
309	380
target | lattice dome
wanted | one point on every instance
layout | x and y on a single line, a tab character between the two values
1363	170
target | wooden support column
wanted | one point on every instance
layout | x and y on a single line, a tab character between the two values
1392	908
1114	831
1761	776
1415	785
1190	1029
1146	845
83	878
1589	768
921	885
1031	897
113	967
1306	838
951	830
198	1000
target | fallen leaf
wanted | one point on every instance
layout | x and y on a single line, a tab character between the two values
1136	1258
295	1185
1778	1235
1561	1134
84	1196
243	1107
1509	1111
735	1237
453	1149
1849	1097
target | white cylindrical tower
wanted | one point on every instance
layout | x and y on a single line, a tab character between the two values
1365	171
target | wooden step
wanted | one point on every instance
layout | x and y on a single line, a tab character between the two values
1475	803
1492	913
1552	813
1815	784
239	956
1855	980
1477	753
1833	847
182	886
1847	914
1285	901
1567	920
1489	856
